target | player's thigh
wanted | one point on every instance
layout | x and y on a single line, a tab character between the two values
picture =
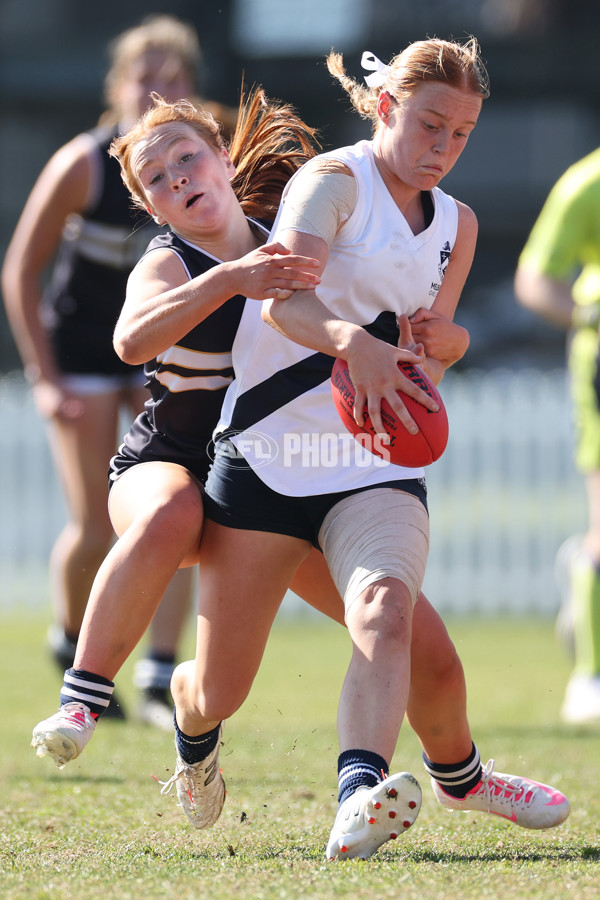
156	488
375	535
82	448
314	584
243	578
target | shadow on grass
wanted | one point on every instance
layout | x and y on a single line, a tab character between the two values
576	854
68	779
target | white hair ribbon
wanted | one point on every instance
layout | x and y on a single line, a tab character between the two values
380	71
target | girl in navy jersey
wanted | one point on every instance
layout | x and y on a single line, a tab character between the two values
184	302
80	215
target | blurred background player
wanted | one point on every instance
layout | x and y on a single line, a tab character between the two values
64	280
558	277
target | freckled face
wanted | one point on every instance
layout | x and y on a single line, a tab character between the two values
185	180
420	138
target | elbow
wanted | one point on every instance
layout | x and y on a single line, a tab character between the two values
7	291
460	347
525	289
127	350
12	280
465	341
266	311
6	278
271	313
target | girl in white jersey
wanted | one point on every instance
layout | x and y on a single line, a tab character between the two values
389	243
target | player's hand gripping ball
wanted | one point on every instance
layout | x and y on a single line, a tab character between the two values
404	449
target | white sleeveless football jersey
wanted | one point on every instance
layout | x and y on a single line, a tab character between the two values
279	406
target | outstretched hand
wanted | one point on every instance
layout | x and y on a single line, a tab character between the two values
272	271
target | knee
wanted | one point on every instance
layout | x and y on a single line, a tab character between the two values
210	698
90	539
177	518
384	609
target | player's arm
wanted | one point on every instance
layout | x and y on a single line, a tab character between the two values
61	190
551	257
163	304
444	341
459	264
550	298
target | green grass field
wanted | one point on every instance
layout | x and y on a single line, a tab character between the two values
100	828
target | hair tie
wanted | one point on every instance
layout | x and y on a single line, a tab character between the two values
380	71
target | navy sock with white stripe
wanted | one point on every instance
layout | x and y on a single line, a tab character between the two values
359	768
194	749
84	687
458	778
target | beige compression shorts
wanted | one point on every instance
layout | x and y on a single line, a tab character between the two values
375	534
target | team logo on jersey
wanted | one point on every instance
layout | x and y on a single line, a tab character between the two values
444	257
443	265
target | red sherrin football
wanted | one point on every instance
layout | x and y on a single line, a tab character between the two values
405	449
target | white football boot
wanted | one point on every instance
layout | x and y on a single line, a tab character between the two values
372	816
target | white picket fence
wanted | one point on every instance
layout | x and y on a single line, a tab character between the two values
502	499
